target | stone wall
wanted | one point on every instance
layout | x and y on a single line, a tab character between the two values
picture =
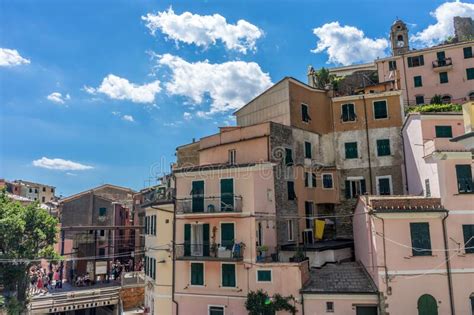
132	297
463	28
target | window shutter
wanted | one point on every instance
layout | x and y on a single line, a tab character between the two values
307	150
347	189
154	225
146	225
422	60
187	239
306	179
345	112
363	188
464	178
197	274
228	275
313	179
410	62
468	233
288	157
420	239
205	237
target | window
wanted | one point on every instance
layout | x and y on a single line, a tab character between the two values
309	179
470	73
464	178
420	239
351	150
348	112
306	179
446	99
102	232
418	81
102	212
44	188
232	156
392	65
31	190
354	187
291	190
197	274
330	307
228	275
313	180
468	233
380	109
384	185
444	131
441	58
52	190
216	310
154	226
305	113
327	181
288	157
415	61
264	276
290	230
309	214
427	188
420	99
43	199
383	147
467	52
443	77
101	251
307	150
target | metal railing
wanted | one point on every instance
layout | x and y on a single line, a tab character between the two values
442	62
206	251
199	204
133	278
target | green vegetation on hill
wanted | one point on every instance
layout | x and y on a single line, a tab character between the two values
434	108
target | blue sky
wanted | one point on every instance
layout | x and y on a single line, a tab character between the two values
94	92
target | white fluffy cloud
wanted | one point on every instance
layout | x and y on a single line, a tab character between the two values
11	58
229	85
347	44
121	89
58	98
204	30
443	28
128	118
60	164
187	116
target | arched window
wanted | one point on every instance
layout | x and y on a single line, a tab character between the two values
427	305
446	99
400	38
471	96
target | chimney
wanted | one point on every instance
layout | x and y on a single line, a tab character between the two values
311	76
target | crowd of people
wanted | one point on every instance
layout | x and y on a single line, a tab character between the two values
43	280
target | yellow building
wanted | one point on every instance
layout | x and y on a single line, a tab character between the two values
158	262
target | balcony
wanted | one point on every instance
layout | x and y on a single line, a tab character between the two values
443	64
192	251
439	145
198	204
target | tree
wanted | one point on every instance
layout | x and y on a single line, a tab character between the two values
259	303
28	234
323	77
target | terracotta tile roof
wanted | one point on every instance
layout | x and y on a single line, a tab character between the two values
409	204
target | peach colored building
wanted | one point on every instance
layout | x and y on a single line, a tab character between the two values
419	249
446	70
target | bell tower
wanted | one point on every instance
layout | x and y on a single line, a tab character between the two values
399	38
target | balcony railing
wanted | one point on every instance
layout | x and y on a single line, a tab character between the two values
446	62
198	204
207	251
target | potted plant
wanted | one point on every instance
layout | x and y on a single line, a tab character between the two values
298	256
261	250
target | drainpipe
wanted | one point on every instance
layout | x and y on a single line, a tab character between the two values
404	163
448	265
384	253
368	145
173	286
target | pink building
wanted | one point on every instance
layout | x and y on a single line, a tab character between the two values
419	250
446	70
226	226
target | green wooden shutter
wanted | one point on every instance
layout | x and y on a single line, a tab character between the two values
197	274
264	275
228	275
467	52
307	150
198	196
468	233
206	240
420	239
306	179
351	150
227	194
464	178
470	73
345	112
291	190
443	77
427	305
363	187
380	109
383	147
227	235
187	239
384	186
313	179
418	81
444	131
288	157
347	189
